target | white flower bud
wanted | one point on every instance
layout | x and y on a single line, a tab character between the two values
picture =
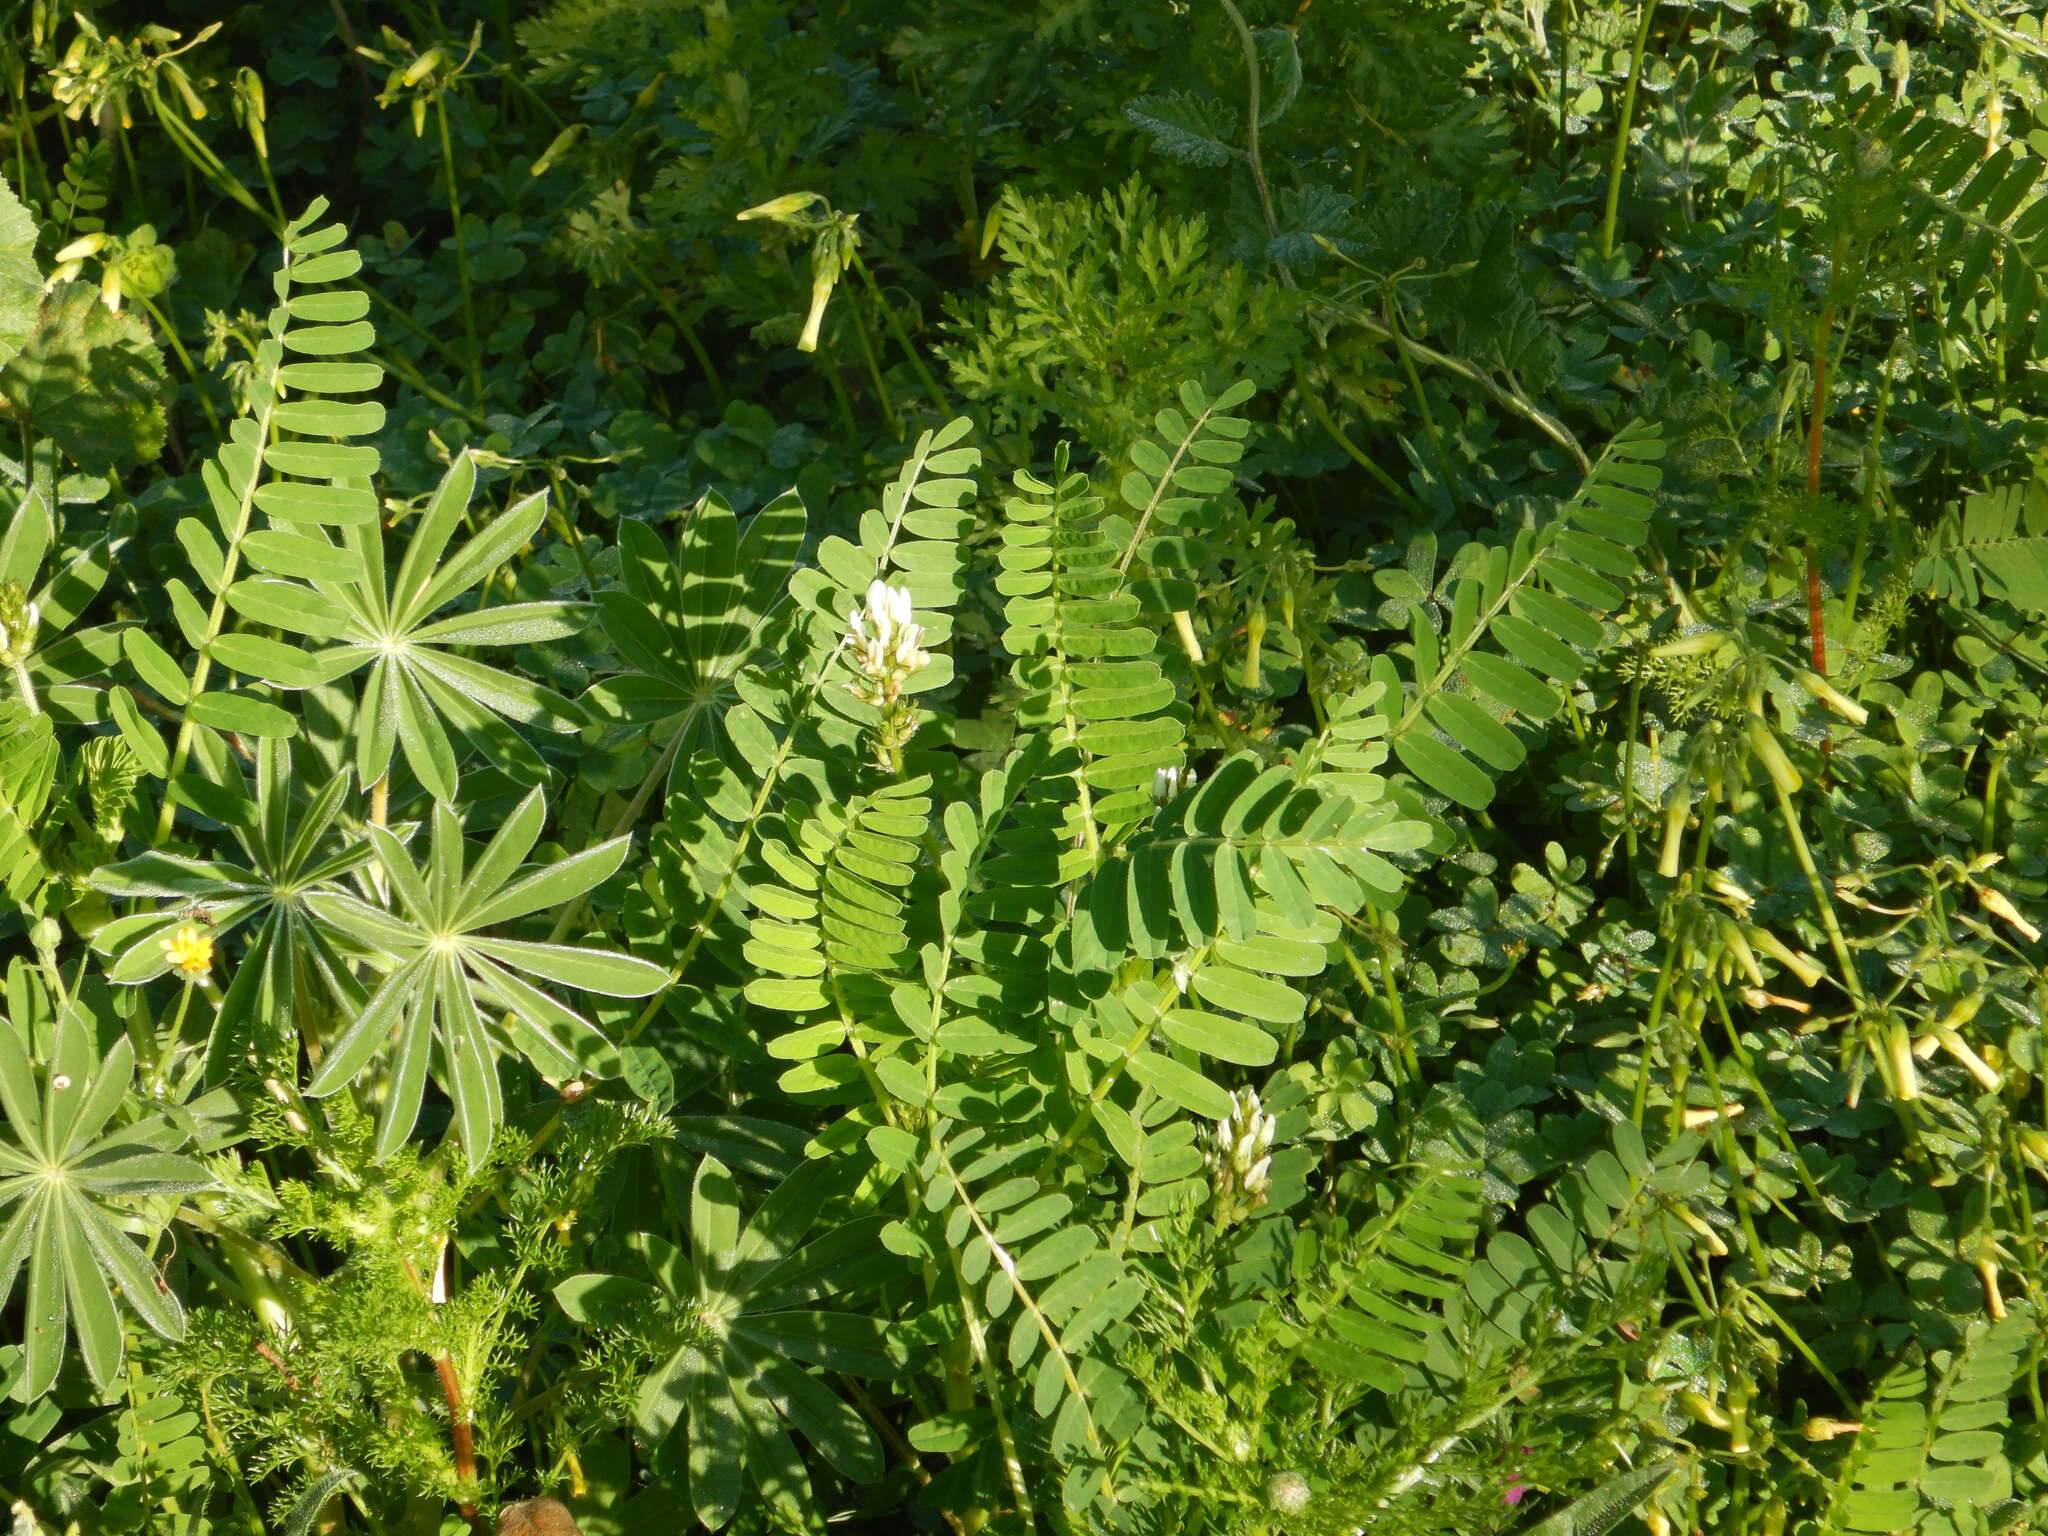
886	644
1240	1160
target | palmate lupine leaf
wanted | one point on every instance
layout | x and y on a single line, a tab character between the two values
291	957
742	1308
385	624
432	1010
687	622
66	1182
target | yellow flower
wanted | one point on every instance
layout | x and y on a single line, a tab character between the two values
190	951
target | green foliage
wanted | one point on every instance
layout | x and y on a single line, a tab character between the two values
1103	307
1213	769
70	1169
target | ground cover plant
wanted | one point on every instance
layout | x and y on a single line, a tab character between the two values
1249	766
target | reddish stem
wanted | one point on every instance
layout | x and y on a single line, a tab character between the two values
458	1423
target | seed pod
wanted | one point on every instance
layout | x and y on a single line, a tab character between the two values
418	70
1763	745
1977	1066
1999	905
1833	698
1671	854
1898	1042
83	246
1738	946
1692	645
1798	962
1705	1410
1994	1300
557	147
1709	1238
1828	1429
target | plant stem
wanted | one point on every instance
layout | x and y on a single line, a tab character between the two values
1251	123
650	289
1646	15
1823	904
917	362
170	334
476	376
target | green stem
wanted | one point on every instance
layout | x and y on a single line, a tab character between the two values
1436	442
198	383
874	367
1251	123
1628	112
687	331
476	376
1823	903
917	362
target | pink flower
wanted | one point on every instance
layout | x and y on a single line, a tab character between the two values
1516	1489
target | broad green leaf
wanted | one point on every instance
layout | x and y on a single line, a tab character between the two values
826	1421
153	664
714	1219
487	902
607	1301
1220	1036
330	418
1443	770
322	461
1258	997
1182	1084
242	713
89	378
331	378
21	280
309	557
592	970
1511	685
271	660
293	501
840	1341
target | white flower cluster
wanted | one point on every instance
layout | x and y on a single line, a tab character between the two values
885	645
1240	1161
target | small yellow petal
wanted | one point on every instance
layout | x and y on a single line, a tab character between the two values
189	950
